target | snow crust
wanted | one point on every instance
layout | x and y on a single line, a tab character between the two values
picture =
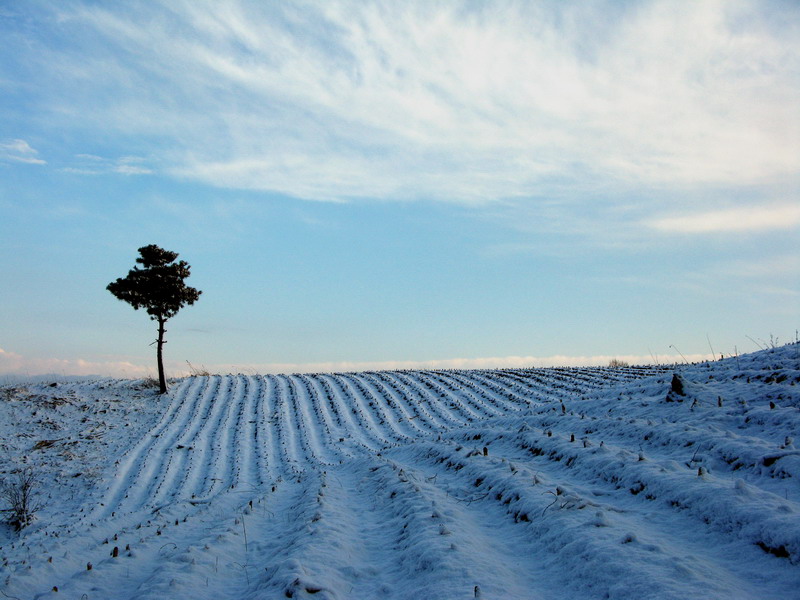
648	482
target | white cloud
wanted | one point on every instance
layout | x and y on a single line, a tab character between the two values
450	101
90	164
12	363
20	151
15	364
132	170
511	362
8	357
732	220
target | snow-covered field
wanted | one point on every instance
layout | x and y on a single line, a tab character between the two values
546	483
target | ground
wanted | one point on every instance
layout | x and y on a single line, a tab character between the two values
677	481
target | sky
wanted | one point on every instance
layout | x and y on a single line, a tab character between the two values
364	185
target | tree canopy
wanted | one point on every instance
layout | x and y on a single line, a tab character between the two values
158	287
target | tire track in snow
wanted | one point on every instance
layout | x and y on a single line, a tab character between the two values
424	541
283	554
653	533
556	541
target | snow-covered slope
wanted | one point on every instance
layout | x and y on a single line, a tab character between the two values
547	483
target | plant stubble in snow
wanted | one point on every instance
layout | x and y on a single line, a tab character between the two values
580	483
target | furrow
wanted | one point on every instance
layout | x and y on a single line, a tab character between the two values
310	424
247	471
330	420
395	413
194	455
268	446
374	406
423	391
454	391
487	394
143	475
359	431
286	434
410	410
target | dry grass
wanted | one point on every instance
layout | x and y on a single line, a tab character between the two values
20	495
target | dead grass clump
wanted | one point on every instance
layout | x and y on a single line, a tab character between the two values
19	493
197	371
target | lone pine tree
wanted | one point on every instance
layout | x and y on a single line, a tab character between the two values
158	287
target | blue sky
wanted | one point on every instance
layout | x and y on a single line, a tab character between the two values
397	184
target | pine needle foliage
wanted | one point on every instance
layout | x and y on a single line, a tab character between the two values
158	286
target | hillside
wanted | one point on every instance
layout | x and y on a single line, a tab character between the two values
542	483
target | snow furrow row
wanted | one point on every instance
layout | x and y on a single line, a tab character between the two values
597	482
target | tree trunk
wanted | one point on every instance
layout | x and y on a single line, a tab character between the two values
162	381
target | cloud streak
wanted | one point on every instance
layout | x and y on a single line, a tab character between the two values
742	219
446	101
20	151
89	164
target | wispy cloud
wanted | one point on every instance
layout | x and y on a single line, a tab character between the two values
739	219
90	164
456	101
20	151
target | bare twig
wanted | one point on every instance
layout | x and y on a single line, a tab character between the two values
755	342
553	502
679	352
244	529
712	347
19	494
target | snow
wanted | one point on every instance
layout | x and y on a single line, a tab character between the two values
541	483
